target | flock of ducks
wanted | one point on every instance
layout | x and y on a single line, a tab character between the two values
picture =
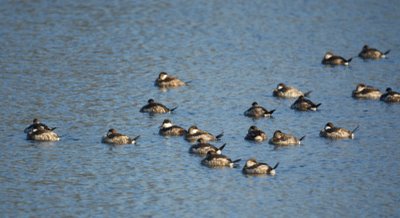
213	156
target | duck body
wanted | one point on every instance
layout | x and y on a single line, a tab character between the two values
334	60
390	96
283	139
255	134
42	134
168	129
153	107
332	132
165	81
115	138
256	111
304	104
372	53
363	91
202	148
194	134
255	168
283	91
218	160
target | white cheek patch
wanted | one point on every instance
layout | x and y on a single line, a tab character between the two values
163	77
327	128
327	56
167	125
194	131
280	87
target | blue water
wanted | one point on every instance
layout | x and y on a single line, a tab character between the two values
87	66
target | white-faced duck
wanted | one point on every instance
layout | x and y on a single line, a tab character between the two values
166	81
202	148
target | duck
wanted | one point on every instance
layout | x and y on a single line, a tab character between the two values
284	91
166	81
332	132
390	96
363	91
169	129
256	111
304	104
283	139
114	138
331	59
256	134
36	124
41	133
202	148
255	168
194	133
218	160
372	53
153	107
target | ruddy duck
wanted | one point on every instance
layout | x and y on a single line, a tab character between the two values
168	129
390	96
155	108
36	124
372	53
253	167
255	134
115	138
193	134
42	134
256	111
166	81
304	104
332	132
331	59
283	139
218	160
283	91
202	148
366	92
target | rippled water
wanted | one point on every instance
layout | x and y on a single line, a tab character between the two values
87	66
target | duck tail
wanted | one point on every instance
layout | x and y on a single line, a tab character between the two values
222	147
301	139
307	94
171	110
316	106
276	166
355	129
136	138
219	136
349	60
386	52
53	128
235	161
272	111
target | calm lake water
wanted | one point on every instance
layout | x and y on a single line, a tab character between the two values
87	66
